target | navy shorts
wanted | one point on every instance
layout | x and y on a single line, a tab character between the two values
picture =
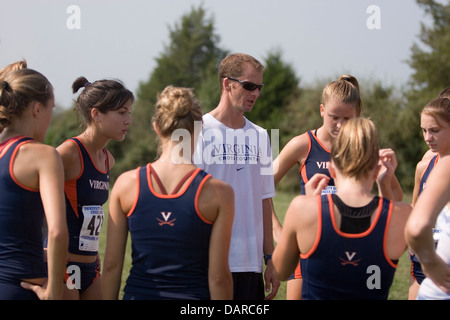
416	272
14	291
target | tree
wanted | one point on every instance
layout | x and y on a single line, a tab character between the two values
65	124
431	64
189	60
281	85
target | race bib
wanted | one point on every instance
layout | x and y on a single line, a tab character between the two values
90	231
329	189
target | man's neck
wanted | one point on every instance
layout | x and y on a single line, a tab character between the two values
228	116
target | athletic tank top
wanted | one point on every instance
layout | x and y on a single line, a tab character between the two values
85	196
348	266
170	241
21	220
316	161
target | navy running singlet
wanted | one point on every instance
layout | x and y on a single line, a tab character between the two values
21	219
348	266
316	161
170	242
427	172
85	196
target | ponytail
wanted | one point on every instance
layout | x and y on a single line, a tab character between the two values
346	90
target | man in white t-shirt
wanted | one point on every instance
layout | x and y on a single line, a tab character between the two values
235	150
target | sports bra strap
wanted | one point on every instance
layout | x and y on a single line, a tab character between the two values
182	181
158	181
161	186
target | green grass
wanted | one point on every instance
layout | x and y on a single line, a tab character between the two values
398	291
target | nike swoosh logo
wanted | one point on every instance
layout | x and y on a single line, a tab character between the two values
239	169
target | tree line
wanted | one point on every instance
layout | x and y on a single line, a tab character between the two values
191	59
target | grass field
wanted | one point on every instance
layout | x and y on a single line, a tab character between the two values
398	291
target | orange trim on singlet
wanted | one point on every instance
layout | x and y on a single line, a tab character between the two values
372	226
4	146
197	196
162	189
354	235
298	272
303	167
428	165
170	196
70	186
319	230
136	198
70	190
317	139
388	221
90	157
11	165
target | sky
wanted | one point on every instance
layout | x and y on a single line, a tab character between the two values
321	39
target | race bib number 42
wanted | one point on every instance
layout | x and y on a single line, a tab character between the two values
90	231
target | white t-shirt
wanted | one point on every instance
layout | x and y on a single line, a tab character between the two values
243	159
428	290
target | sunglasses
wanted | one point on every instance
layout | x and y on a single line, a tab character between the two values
247	85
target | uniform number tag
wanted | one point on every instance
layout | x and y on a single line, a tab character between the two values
90	231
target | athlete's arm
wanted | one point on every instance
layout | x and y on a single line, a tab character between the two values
286	254
423	218
122	197
395	241
46	162
420	169
293	152
388	185
216	203
71	159
299	234
271	281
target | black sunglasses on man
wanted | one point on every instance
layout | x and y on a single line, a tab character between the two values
247	85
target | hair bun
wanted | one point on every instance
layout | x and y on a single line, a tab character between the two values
5	85
176	108
349	78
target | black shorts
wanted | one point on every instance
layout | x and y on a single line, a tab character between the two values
248	286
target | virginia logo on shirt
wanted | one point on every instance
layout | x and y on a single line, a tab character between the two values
349	260
99	185
165	220
322	164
